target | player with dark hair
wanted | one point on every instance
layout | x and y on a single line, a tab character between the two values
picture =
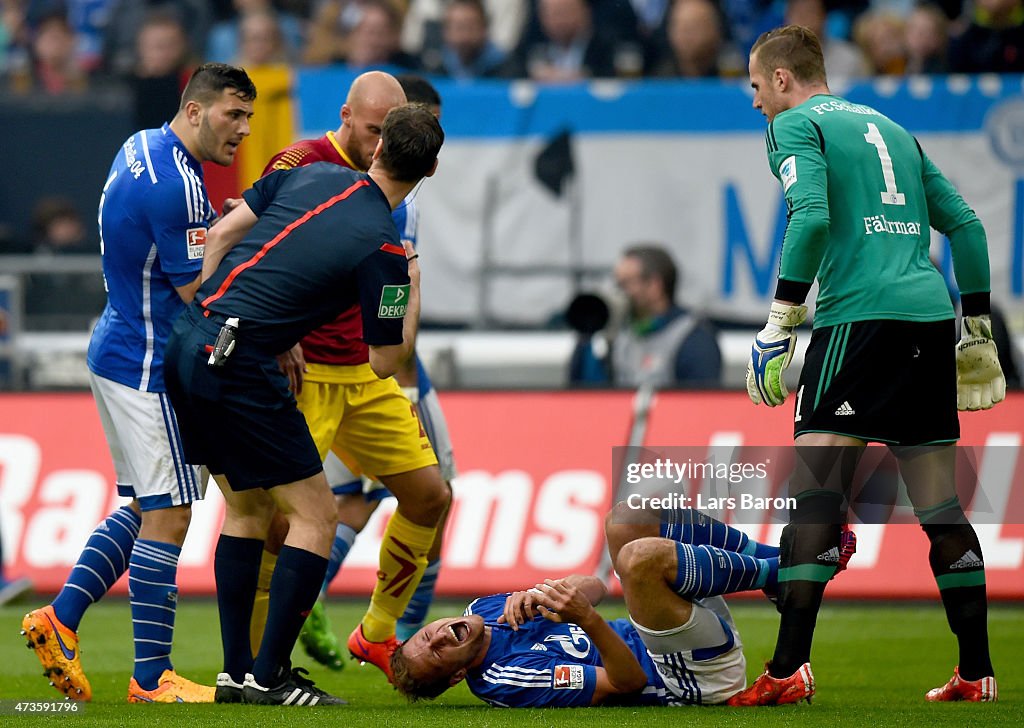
358	498
154	216
305	244
883	364
418	90
350	412
548	647
416	384
325	358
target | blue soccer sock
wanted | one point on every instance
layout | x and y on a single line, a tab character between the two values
420	603
706	571
687	525
344	537
236	569
293	592
101	563
153	591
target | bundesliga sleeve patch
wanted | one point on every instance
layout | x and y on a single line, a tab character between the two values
568	677
195	238
787	173
393	301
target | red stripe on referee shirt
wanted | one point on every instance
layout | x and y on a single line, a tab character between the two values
389	248
291	227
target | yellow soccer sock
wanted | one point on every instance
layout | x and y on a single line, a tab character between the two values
403	557
261	603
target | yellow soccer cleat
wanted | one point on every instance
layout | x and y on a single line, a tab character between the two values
171	688
56	647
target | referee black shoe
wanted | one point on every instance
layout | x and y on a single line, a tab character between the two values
294	689
228	691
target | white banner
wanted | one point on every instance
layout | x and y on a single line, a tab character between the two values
676	163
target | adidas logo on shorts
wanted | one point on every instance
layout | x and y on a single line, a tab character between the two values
832	555
845	409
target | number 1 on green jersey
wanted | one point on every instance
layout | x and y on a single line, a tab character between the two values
891	196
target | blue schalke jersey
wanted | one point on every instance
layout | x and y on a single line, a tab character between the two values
550	664
407	220
153	218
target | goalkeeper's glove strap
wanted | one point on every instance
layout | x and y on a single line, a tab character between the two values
795	291
976	304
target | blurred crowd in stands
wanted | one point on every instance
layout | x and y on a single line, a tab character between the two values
62	48
65	46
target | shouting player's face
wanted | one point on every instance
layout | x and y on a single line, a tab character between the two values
222	127
445	647
767	98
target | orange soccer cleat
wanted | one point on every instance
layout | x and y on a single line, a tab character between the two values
768	690
171	688
56	647
376	653
982	690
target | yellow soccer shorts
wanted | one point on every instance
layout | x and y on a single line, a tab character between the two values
367	422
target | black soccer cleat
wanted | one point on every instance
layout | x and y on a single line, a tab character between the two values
294	689
228	691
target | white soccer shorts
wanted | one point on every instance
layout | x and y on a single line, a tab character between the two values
434	424
701	662
142	433
341	479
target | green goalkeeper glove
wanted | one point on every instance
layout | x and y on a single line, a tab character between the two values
979	379
771	353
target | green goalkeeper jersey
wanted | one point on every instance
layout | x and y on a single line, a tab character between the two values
862	196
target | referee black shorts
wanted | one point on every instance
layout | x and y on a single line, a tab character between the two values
886	381
240	420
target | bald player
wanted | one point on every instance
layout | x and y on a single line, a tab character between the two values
366	422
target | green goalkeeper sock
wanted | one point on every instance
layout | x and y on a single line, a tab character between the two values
956	560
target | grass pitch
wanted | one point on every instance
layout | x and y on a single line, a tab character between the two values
872	664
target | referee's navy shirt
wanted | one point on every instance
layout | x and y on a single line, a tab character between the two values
324	241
